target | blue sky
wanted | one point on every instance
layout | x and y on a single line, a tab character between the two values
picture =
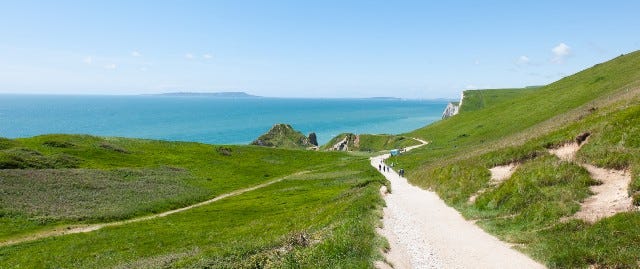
411	49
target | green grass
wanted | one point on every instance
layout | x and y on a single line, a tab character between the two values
496	128
372	143
324	219
283	136
479	99
119	178
528	115
50	195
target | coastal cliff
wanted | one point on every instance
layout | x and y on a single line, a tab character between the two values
453	108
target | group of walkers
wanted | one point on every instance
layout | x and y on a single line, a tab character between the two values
384	168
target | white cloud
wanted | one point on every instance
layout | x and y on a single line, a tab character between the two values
188	56
207	56
136	53
87	60
560	52
522	60
110	66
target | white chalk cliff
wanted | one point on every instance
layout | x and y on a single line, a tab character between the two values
452	108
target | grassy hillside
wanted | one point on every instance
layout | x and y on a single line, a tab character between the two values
283	136
479	99
303	220
513	121
519	127
371	143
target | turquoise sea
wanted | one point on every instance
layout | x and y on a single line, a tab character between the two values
208	119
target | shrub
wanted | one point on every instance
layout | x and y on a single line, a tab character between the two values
224	151
112	147
22	158
6	143
58	144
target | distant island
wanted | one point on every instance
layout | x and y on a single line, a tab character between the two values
209	94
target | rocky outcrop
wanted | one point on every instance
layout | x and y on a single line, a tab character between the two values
453	108
345	142
313	140
283	136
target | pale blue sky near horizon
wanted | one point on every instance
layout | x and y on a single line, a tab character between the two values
409	49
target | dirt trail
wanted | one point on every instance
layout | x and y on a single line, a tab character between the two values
498	175
425	233
74	229
610	197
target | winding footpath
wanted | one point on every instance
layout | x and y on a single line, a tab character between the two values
74	229
426	233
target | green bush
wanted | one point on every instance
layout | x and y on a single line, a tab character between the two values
6	143
58	144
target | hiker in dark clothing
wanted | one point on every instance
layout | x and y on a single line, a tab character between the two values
379	167
401	172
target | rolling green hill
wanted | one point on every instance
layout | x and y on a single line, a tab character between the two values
479	99
532	208
283	136
320	209
370	142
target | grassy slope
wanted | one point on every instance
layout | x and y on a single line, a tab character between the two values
374	143
384	142
114	178
479	99
493	127
207	173
333	209
283	136
519	127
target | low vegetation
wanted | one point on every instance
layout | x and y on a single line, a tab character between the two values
323	216
320	219
284	136
370	142
533	208
91	194
477	100
326	216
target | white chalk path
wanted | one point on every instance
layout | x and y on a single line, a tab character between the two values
426	233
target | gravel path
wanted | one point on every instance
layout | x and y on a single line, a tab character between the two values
425	233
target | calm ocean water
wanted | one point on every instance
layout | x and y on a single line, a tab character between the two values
208	119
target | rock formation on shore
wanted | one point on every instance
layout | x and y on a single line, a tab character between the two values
284	136
313	140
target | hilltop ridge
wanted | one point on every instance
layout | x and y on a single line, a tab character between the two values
536	205
284	136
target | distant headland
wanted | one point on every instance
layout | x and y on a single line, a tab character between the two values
209	94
